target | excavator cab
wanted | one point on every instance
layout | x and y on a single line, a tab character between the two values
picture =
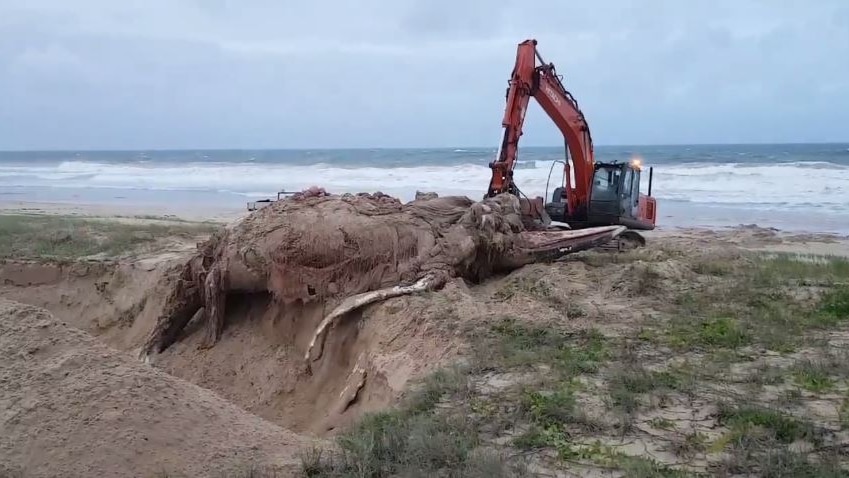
615	197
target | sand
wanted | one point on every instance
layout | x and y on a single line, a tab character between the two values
77	401
74	407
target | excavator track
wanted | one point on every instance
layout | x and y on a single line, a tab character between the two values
626	241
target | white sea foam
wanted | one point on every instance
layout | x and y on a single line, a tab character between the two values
795	186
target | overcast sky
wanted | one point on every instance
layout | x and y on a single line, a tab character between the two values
133	74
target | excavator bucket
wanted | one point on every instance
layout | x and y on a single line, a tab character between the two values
534	216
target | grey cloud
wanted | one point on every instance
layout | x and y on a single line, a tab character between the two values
103	74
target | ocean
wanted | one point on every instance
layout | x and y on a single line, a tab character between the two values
788	186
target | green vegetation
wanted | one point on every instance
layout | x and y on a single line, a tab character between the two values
452	382
390	443
642	467
414	440
724	332
542	290
766	374
835	307
632	380
812	376
712	268
781	463
553	416
422	437
646	279
662	423
843	413
511	343
716	343
777	425
520	286
758	443
68	238
803	267
759	304
549	409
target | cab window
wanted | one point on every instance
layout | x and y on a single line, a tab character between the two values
606	183
629	179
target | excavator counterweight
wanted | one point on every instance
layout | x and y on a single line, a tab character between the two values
601	194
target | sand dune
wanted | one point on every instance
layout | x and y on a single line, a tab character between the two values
74	407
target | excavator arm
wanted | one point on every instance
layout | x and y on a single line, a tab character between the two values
542	83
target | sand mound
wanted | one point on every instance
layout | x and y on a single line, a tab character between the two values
74	407
116	301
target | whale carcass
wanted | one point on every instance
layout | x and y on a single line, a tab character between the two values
347	251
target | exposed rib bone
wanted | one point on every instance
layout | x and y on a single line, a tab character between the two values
358	301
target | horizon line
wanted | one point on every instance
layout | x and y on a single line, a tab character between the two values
361	148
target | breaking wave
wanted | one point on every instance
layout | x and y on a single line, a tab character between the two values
814	185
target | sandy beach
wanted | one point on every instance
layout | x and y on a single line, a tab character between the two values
246	240
424	239
683	318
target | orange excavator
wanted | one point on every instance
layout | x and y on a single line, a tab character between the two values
601	193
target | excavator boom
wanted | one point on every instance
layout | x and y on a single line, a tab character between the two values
542	83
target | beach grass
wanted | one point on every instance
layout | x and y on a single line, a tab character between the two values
53	237
719	380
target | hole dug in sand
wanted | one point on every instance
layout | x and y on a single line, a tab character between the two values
366	359
364	363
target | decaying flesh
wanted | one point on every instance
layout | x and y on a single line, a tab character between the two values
349	251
